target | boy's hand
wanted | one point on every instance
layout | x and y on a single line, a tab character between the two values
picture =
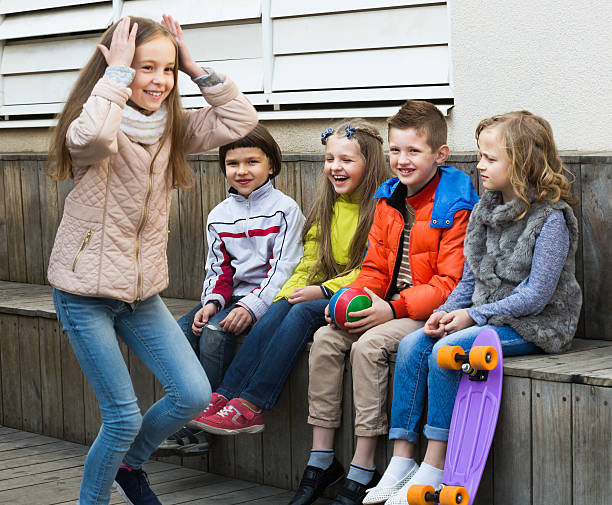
186	63
457	320
123	45
380	312
433	328
328	319
305	294
202	316
238	320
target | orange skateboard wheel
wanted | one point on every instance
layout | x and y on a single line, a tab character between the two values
416	494
454	495
446	357
483	357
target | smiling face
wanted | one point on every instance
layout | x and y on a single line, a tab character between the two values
246	169
412	159
494	165
154	62
343	164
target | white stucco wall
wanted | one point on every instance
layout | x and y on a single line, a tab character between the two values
552	58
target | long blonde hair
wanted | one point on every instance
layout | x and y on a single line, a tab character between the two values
536	171
60	166
374	173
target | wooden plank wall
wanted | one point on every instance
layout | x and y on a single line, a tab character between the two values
552	443
31	206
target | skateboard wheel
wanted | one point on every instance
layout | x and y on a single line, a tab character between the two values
446	357
483	357
416	494
454	495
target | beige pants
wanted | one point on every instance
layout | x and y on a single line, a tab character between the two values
370	365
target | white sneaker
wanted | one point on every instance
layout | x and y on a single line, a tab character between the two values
381	494
423	476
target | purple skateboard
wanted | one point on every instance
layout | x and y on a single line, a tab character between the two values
472	426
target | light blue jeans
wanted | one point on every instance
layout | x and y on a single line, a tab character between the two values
150	331
418	376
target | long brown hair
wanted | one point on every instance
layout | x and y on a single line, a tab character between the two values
536	171
60	166
374	174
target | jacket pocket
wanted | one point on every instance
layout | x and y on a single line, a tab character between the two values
86	240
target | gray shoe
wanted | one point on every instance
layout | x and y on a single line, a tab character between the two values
186	442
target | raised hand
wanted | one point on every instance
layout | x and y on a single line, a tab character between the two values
186	62
123	44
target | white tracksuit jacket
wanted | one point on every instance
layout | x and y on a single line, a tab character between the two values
254	244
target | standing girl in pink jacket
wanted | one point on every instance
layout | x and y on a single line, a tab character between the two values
123	137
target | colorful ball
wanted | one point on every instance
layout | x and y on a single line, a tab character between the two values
345	301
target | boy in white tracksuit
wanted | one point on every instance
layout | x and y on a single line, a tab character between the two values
254	244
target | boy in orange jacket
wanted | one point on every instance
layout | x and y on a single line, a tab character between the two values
414	261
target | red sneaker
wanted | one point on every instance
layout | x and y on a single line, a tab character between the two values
234	418
217	402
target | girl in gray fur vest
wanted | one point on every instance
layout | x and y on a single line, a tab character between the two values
518	279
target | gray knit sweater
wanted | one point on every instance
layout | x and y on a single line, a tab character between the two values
521	273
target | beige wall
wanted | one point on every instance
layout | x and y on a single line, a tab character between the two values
547	56
550	57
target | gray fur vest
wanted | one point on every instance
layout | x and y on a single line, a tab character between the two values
499	251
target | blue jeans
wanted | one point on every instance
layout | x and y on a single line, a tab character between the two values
151	332
267	356
214	347
418	376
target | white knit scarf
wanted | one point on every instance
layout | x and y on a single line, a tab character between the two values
143	129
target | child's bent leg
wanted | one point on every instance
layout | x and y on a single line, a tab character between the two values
216	348
152	334
370	364
186	322
409	390
252	351
326	367
89	323
283	348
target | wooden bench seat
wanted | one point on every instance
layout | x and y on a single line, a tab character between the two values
552	443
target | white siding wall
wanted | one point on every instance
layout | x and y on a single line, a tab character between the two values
364	54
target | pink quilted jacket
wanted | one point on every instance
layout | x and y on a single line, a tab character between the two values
112	239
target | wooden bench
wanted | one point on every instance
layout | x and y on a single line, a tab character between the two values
554	428
553	442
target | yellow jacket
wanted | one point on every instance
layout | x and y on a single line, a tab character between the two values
343	227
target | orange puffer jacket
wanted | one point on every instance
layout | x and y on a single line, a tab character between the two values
442	210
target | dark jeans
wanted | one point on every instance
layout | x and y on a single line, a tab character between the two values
267	356
214	347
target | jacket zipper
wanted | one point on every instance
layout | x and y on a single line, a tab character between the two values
140	227
85	241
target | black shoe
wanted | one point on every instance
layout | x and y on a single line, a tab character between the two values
352	492
314	481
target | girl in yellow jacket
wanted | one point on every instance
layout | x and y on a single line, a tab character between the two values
123	136
335	242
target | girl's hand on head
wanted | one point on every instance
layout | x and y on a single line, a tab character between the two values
202	316
433	328
380	312
305	294
457	320
238	320
123	45
186	63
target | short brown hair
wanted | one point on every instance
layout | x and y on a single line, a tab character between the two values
259	137
425	118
